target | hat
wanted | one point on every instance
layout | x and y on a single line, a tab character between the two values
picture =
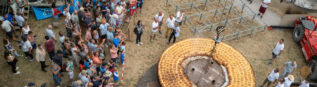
81	9
115	16
1	18
291	77
84	72
108	73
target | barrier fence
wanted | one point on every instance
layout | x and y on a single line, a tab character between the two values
238	18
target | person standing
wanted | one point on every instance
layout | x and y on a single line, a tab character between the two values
273	76
27	48
279	47
50	33
84	77
8	47
32	40
8	27
140	4
103	28
61	41
159	17
114	53
25	30
288	81
280	83
174	34
58	59
19	19
75	18
116	41
56	74
49	45
70	69
265	4
139	31
170	25
179	17
304	83
69	27
155	27
289	68
75	56
115	75
40	57
12	61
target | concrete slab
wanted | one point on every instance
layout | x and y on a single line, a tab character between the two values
270	18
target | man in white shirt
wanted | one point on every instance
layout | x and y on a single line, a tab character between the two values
304	83
265	4
179	17
27	48
170	25
160	17
8	27
273	76
49	32
279	47
288	80
280	83
19	19
155	27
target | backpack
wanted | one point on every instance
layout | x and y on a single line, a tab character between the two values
135	30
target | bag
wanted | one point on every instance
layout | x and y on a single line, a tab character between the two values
135	30
64	67
59	75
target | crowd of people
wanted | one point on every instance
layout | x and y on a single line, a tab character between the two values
286	79
91	33
94	31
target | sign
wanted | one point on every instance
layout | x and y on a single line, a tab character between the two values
43	13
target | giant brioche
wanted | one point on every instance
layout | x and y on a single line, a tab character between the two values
171	73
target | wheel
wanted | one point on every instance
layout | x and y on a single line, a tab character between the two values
298	33
313	66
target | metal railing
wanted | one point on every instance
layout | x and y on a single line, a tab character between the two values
227	13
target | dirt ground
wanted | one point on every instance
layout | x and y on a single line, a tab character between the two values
257	49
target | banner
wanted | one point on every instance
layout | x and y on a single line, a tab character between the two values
43	13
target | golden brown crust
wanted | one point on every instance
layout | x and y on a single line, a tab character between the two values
171	74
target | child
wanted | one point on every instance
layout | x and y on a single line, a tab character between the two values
111	65
101	54
115	75
113	53
8	47
70	69
122	50
81	65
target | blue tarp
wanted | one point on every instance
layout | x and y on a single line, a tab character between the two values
43	13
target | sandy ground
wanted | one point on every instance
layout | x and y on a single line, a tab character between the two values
257	50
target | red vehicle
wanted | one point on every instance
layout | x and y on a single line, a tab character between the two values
305	33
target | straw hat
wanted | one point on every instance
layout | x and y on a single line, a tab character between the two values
291	77
81	9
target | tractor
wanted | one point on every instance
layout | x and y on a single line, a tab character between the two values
305	33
